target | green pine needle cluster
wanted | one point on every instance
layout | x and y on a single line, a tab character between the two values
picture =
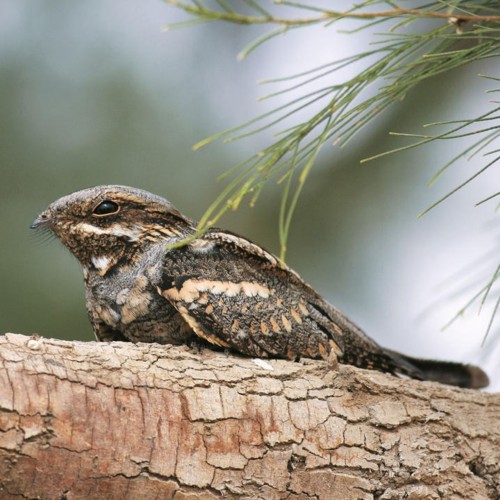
411	42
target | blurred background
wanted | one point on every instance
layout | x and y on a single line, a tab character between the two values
96	93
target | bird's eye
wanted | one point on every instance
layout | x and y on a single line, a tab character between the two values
107	207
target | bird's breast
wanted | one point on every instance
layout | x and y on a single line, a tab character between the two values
119	302
128	301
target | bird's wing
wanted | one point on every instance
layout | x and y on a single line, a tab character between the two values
236	295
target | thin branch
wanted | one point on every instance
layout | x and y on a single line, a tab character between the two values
234	17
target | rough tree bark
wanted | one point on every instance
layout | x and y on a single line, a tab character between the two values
96	420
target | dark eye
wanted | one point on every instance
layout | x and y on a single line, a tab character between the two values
107	207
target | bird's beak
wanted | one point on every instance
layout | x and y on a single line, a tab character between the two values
42	219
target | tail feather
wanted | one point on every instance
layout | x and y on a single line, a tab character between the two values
446	372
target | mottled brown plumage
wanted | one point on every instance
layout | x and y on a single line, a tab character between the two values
219	287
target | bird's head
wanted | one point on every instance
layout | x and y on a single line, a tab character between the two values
103	224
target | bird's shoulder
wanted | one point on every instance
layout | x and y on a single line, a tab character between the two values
223	255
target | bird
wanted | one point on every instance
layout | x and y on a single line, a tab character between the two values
152	276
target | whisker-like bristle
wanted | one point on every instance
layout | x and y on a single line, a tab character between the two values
42	236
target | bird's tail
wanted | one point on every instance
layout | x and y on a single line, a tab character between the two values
446	372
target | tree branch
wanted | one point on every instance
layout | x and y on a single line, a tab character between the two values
329	15
122	420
